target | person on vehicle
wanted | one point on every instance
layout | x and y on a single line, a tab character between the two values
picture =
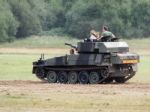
106	34
94	35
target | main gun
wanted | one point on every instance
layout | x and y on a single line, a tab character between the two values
72	46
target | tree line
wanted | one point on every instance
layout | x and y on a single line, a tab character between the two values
22	18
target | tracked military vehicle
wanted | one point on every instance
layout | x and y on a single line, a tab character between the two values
92	62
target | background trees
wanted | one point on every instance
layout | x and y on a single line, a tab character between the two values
22	18
8	23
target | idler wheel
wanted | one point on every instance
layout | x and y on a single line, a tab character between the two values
72	77
94	78
83	77
52	77
62	77
40	73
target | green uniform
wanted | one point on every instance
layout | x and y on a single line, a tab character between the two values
107	33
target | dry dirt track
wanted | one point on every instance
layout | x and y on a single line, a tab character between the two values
54	51
42	87
37	96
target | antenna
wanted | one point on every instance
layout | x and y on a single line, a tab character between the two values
42	57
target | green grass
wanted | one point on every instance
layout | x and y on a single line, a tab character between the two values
40	42
143	70
16	67
75	103
19	67
58	42
139	43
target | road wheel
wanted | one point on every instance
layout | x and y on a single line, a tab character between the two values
120	79
94	78
62	77
83	77
52	77
104	72
72	77
40	74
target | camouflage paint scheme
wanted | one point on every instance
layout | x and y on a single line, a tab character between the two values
99	62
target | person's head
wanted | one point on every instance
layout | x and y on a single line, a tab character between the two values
105	28
92	32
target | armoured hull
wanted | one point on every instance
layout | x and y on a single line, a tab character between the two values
99	62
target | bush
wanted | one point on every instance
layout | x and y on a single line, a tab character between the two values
29	22
22	18
124	18
53	32
8	24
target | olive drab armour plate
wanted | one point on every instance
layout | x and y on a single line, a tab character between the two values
93	62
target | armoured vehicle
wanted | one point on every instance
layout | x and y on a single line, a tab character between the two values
90	62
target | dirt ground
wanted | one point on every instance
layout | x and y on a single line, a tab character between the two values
37	96
34	50
42	87
54	51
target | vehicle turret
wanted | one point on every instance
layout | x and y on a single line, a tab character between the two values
102	47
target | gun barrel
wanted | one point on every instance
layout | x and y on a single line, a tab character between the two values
67	44
71	45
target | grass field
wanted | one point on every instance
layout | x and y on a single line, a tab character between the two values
21	91
58	42
40	42
19	67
